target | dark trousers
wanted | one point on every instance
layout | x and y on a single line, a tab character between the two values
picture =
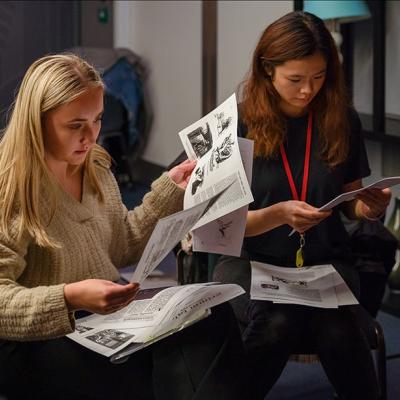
276	330
203	361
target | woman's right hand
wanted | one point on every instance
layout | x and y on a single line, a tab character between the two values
301	216
98	295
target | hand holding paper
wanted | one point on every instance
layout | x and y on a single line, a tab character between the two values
374	202
182	172
381	184
365	193
301	216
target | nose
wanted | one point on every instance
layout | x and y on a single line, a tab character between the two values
90	134
307	88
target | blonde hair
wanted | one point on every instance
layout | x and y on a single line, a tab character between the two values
49	83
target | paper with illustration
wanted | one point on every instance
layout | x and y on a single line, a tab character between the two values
153	315
169	231
213	142
225	235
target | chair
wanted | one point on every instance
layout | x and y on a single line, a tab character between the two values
191	268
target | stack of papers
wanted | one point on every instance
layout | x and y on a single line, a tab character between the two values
316	286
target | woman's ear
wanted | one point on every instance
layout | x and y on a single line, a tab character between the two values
268	68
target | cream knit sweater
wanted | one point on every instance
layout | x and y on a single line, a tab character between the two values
97	238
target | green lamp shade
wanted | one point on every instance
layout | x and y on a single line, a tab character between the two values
344	10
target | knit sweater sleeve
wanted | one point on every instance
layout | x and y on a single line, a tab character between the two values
165	198
28	313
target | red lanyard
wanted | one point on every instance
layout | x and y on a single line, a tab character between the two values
306	165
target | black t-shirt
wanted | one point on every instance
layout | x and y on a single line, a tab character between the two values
327	241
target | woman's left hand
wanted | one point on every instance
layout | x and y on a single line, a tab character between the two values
374	202
181	173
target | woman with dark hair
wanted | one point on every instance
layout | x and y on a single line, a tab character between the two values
308	150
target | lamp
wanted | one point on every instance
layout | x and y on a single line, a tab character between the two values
337	12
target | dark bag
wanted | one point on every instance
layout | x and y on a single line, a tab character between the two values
192	267
374	249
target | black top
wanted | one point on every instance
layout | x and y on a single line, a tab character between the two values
327	241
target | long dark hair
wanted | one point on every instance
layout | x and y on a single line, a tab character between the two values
294	36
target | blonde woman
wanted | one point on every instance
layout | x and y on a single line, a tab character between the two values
64	232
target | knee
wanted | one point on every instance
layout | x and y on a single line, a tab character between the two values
233	270
270	327
339	332
280	327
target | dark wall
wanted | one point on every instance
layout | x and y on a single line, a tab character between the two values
97	23
31	29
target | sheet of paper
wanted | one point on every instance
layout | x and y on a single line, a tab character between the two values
225	234
213	142
343	294
380	184
316	286
103	341
169	231
199	297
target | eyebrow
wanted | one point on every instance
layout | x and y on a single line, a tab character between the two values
300	76
84	119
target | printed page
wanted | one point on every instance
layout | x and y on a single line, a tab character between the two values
168	310
133	347
213	142
199	138
310	274
344	295
147	310
169	231
137	322
284	286
311	286
194	300
103	341
225	234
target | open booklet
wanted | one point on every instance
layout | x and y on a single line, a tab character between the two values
156	314
316	286
153	315
221	157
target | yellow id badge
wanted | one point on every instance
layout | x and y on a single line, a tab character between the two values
299	258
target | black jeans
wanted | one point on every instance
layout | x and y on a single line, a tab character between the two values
203	361
275	330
